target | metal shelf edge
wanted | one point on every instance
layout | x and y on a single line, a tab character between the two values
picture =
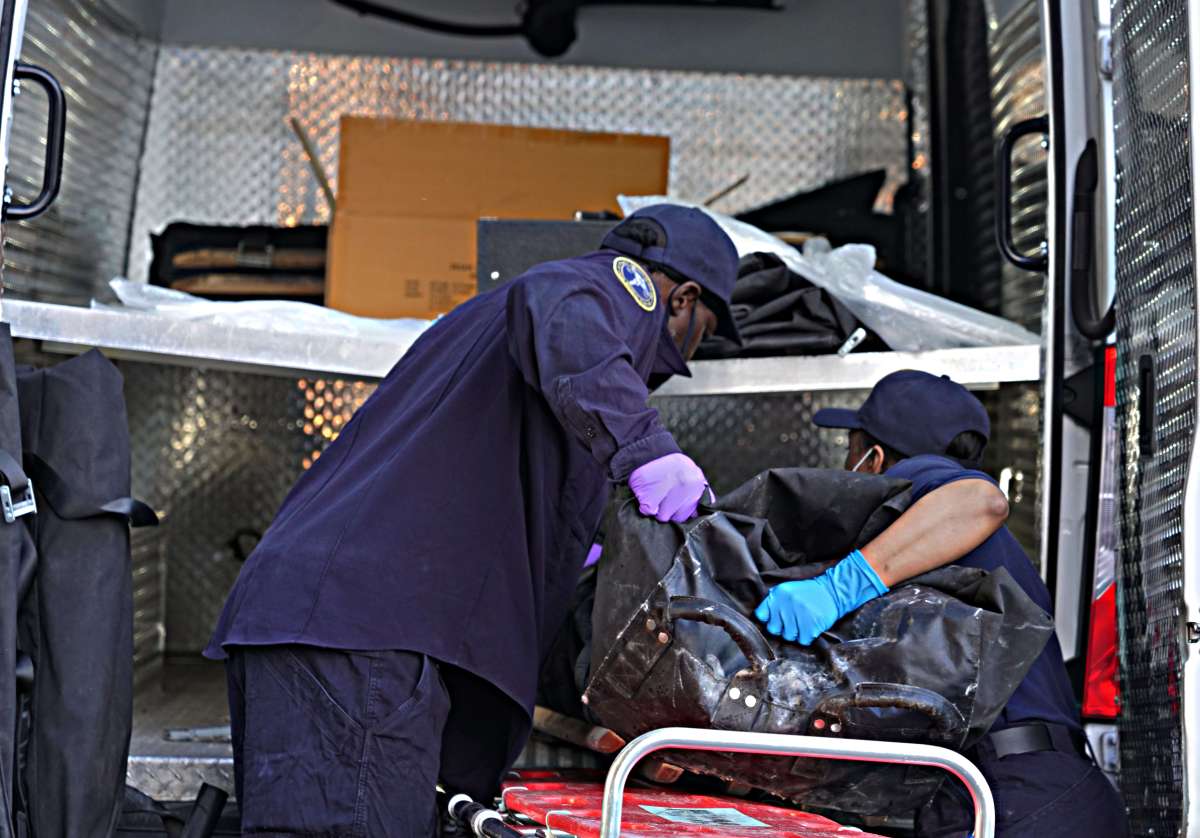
146	337
142	336
975	367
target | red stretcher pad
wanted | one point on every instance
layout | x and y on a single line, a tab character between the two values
568	804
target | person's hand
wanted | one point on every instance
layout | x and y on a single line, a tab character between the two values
669	488
593	555
799	611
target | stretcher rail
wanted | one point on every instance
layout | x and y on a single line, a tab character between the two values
691	739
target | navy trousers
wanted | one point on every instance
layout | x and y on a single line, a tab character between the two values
335	743
1048	794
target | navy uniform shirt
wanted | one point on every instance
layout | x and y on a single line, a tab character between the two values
452	515
1045	695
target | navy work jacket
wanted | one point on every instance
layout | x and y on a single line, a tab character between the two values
453	514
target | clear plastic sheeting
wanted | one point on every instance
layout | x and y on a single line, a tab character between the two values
907	319
276	316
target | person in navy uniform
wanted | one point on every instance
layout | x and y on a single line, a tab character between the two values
387	631
931	431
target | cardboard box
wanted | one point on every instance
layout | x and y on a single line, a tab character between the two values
410	193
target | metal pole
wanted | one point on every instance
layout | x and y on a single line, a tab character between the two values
690	739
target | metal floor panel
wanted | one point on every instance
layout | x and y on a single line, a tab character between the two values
191	694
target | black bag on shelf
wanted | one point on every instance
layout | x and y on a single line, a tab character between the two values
241	263
842	211
675	642
75	621
779	312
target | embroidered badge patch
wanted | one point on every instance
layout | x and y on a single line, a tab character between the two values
637	282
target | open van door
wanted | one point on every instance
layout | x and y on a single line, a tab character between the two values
1156	69
12	30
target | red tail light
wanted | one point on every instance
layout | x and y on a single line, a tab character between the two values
1101	692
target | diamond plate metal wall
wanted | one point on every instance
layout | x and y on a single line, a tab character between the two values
1156	325
734	438
106	69
219	149
216	452
149	603
214	143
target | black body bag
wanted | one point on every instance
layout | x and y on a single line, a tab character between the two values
17	565
675	641
75	618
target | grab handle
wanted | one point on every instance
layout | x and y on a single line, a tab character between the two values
56	133
1004	239
741	630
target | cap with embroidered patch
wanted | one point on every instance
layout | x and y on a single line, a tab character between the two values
689	244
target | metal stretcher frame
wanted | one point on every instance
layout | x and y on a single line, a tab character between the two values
692	739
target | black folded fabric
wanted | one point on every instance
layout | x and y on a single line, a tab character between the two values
779	312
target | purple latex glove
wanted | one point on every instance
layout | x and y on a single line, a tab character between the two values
669	488
593	556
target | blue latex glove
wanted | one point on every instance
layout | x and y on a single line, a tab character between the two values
593	555
800	611
669	488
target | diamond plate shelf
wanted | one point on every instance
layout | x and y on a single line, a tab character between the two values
147	337
975	367
144	336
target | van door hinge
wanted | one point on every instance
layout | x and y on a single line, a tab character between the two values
1104	52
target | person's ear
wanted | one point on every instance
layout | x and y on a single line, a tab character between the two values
685	297
876	460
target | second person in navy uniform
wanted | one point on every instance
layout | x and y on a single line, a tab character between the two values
931	431
386	633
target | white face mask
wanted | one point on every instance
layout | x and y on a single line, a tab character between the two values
870	451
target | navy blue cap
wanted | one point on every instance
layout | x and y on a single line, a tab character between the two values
689	244
913	412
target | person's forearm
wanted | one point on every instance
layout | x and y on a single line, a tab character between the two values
940	528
